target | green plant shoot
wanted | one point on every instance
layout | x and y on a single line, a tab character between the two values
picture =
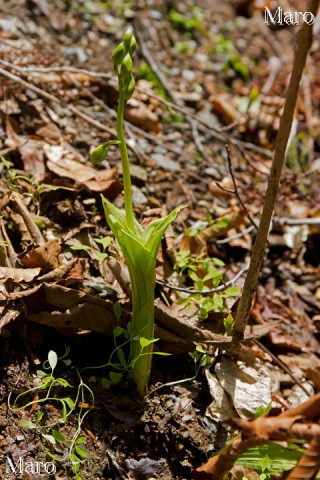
139	246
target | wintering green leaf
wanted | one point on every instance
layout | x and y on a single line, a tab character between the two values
281	458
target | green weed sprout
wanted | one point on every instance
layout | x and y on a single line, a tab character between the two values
139	246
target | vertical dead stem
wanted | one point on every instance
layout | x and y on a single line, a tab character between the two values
303	46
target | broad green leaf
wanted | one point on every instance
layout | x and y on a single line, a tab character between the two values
39	416
47	381
117	331
81	452
74	459
228	324
63	382
231	292
69	402
106	383
105	241
102	256
115	377
52	359
218	301
58	436
117	311
281	458
144	342
67	362
121	357
265	463
203	313
81	439
64	411
217	261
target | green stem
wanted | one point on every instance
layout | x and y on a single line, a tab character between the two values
143	325
125	161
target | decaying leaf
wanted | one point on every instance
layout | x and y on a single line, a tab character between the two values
70	309
45	257
237	387
19	274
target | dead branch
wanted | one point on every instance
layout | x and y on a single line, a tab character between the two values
303	47
286	426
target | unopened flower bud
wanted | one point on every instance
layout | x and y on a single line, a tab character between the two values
127	37
132	46
118	54
98	154
130	88
126	67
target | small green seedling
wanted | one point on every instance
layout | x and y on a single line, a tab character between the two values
139	246
65	448
202	271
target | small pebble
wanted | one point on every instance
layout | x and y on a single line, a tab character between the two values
165	162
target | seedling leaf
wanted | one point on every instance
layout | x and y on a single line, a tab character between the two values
52	359
50	438
81	452
27	424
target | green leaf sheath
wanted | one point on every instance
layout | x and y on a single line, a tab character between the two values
140	248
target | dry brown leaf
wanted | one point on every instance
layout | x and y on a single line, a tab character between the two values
8	317
63	163
45	257
19	274
141	116
50	133
32	155
31	150
69	309
20	226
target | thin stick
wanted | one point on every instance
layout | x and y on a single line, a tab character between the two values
235	190
217	133
303	47
221	288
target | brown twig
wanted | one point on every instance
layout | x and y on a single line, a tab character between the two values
282	366
235	190
303	47
217	133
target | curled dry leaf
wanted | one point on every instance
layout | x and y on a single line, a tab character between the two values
45	257
19	274
138	114
70	309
